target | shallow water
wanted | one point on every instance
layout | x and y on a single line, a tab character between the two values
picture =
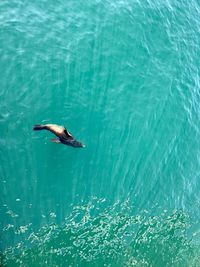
123	77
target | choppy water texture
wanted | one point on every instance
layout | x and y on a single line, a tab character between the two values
123	77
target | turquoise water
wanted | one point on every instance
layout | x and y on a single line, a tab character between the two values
123	77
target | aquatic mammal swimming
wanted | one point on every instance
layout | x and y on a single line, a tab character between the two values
61	132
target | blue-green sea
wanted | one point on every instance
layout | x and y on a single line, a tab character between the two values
123	76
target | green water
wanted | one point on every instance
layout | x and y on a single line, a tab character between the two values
123	77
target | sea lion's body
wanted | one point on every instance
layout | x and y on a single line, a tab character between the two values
61	132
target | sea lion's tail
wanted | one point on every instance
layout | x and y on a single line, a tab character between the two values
39	127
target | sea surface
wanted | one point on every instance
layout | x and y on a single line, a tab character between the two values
123	76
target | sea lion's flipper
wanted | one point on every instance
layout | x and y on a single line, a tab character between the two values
67	134
39	127
56	140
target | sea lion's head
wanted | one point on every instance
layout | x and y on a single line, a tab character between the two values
70	142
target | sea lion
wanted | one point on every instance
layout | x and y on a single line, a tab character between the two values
61	132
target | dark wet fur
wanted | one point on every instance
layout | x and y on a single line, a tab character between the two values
70	142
